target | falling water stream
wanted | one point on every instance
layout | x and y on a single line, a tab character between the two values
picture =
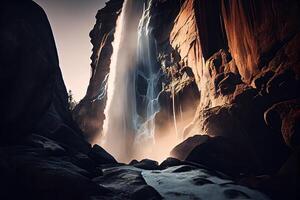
147	70
131	106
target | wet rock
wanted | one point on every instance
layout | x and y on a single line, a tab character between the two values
170	162
184	168
202	181
126	183
147	164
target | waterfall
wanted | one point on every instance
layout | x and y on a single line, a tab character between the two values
174	109
133	84
119	126
148	72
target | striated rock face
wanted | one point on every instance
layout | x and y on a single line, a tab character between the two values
184	38
257	31
89	112
237	49
257	66
101	38
250	69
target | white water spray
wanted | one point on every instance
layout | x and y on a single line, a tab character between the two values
130	115
148	70
119	127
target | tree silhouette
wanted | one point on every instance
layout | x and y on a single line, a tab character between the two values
71	100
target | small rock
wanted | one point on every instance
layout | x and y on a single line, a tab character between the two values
147	164
170	162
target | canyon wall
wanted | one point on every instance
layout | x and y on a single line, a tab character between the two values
233	62
249	74
89	113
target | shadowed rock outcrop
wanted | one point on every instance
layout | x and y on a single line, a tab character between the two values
89	112
42	151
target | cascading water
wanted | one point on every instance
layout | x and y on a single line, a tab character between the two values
131	106
119	127
147	72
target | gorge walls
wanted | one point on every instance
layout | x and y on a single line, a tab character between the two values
212	83
223	64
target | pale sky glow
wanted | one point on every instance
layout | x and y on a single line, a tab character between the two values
71	22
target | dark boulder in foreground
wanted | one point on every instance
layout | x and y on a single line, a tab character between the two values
145	164
225	155
182	150
43	154
43	169
228	155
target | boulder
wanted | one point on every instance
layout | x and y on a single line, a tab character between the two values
147	164
224	155
182	150
126	183
100	156
170	162
40	168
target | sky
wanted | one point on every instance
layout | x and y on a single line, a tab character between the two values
71	22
